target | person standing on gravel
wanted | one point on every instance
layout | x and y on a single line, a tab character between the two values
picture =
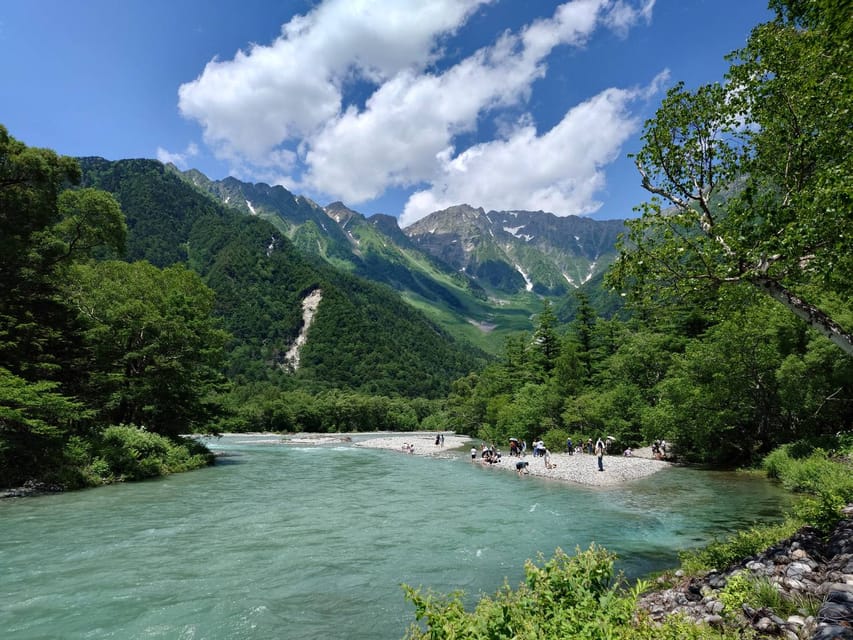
599	452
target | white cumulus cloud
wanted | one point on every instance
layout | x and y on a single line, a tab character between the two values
286	91
177	158
281	109
559	171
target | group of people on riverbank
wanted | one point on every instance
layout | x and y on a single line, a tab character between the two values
491	455
562	467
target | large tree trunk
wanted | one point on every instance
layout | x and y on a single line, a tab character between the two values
813	316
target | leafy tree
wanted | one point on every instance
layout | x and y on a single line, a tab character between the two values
642	359
42	231
34	417
720	401
156	351
756	173
90	220
532	411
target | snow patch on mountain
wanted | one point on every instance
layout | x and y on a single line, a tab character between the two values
514	231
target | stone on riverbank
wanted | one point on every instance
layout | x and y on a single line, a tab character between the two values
802	567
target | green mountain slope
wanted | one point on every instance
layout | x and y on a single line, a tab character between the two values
479	296
364	336
378	250
512	251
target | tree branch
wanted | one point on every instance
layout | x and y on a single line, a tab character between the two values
814	317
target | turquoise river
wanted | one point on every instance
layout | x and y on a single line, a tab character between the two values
285	541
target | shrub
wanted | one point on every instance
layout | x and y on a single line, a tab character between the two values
576	597
127	452
720	554
760	592
565	597
822	511
743	588
828	482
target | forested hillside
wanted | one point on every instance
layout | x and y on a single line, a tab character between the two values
364	337
462	268
134	308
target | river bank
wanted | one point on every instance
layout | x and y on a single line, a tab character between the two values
578	468
810	572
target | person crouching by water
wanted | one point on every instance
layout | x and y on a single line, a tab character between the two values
473	453
492	456
599	452
521	467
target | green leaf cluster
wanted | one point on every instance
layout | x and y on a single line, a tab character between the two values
564	597
86	344
752	180
826	481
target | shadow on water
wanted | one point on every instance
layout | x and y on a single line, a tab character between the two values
225	458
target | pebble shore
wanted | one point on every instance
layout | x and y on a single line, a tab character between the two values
579	468
803	568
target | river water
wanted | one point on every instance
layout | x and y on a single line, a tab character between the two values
283	541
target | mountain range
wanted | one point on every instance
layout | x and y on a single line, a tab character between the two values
480	275
396	311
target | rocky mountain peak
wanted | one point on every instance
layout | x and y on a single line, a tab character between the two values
340	213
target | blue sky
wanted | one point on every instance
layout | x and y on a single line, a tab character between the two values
391	106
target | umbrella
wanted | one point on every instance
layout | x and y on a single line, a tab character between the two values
513	439
610	438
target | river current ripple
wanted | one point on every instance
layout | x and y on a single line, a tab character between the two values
299	542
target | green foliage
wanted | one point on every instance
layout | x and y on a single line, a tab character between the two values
33	416
127	452
677	627
262	407
751	179
533	411
829	483
721	401
566	597
726	394
157	352
742	588
91	220
757	592
823	510
720	554
555	440
67	341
